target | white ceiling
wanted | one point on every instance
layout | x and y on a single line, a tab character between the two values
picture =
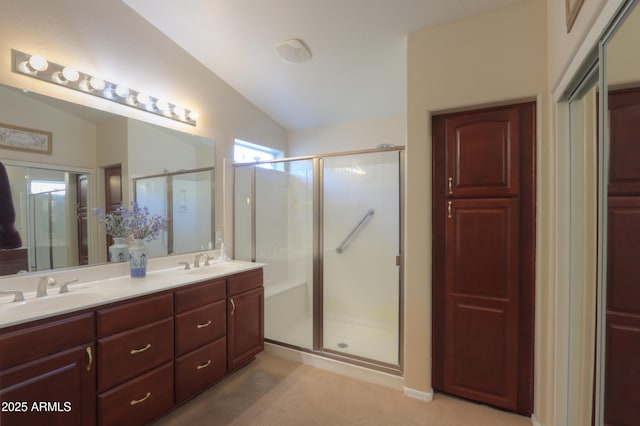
358	69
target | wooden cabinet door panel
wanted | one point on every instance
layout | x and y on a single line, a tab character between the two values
481	297
245	327
624	125
483	154
622	361
64	381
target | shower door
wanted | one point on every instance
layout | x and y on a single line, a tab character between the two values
361	249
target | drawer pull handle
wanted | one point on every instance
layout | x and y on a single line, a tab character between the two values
143	399
89	358
206	324
200	367
137	351
233	306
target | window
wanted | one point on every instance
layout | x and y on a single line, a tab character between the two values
247	152
40	186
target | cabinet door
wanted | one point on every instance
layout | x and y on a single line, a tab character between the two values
245	327
481	290
483	154
56	390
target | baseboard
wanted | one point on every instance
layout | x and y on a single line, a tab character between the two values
421	395
534	421
349	370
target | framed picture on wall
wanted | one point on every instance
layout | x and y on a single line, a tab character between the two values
573	8
23	139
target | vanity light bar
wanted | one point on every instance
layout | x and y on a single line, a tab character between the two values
38	67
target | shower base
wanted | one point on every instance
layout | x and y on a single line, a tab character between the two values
364	341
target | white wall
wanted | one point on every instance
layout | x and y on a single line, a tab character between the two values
355	135
111	41
498	57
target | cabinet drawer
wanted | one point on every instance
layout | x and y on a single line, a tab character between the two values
200	368
127	354
27	344
200	294
138	401
243	282
129	315
199	326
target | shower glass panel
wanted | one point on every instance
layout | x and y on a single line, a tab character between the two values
192	215
152	193
49	237
361	290
284	241
243	213
328	229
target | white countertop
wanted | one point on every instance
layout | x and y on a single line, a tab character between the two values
99	285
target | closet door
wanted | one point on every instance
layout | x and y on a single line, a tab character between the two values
481	343
622	346
483	255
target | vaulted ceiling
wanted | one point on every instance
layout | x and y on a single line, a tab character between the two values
358	65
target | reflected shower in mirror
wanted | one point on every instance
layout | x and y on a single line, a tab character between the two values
185	198
85	142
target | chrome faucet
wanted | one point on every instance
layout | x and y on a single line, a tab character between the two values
64	288
45	281
196	263
19	297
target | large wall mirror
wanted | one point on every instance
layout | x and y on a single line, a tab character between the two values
619	350
603	365
54	194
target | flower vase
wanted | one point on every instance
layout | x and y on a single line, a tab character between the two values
138	259
118	250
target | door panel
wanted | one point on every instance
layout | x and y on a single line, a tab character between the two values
482	250
624	125
483	154
483	255
622	368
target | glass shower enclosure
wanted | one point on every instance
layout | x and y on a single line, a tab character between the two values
328	229
185	198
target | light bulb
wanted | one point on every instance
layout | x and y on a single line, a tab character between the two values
38	63
193	115
122	91
97	83
70	74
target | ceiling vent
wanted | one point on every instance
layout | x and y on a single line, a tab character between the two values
293	51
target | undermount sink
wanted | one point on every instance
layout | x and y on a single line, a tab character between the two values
219	268
52	303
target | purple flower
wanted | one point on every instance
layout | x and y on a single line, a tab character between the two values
137	223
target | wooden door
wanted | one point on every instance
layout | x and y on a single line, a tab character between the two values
622	346
483	255
82	211
112	193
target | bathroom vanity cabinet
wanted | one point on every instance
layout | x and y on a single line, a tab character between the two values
48	371
245	313
129	362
